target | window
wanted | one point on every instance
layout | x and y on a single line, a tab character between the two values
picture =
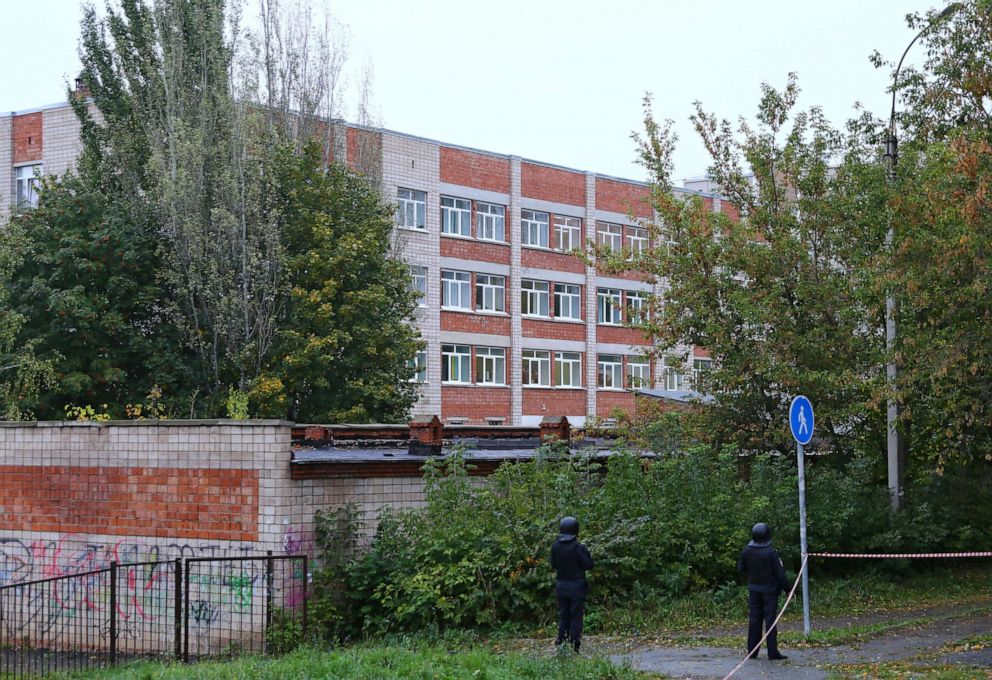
673	379
456	364
490	365
534	298
534	228
568	301
637	239
27	178
637	307
419	364
568	233
610	235
456	290
456	216
490	222
568	369
537	367
638	372
700	366
490	293
418	282
608	306
412	209
609	371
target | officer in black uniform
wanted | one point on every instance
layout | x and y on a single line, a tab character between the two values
570	560
765	580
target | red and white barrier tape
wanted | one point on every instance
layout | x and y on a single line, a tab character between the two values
914	556
785	606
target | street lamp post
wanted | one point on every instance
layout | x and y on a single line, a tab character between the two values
894	440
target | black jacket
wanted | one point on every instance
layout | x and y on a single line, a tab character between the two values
571	560
764	568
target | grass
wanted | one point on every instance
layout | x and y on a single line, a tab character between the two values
378	663
901	670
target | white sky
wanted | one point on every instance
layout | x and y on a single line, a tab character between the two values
554	80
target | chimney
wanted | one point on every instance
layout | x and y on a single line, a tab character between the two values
425	436
554	426
80	91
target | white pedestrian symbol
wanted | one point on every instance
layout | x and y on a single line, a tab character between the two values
803	427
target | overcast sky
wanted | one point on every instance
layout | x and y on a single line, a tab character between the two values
553	80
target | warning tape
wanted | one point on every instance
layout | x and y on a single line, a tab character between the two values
792	592
879	556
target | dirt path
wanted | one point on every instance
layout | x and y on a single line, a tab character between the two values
705	662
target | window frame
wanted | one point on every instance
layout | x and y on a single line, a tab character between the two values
497	292
615	310
419	362
577	296
483	217
636	244
418	283
642	381
464	287
605	235
562	224
463	360
609	371
464	215
574	362
495	355
527	224
527	294
26	185
672	379
636	313
414	202
539	358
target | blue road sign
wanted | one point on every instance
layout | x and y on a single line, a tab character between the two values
801	419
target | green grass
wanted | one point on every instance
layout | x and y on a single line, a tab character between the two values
379	663
901	670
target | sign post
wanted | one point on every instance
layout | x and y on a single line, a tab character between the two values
801	424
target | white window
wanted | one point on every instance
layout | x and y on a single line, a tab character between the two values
568	233
419	364
534	298
534	228
456	363
490	365
609	371
490	222
637	239
411	212
568	369
608	306
700	366
637	307
537	367
609	235
418	282
568	301
490	293
456	216
638	372
456	290
27	178
673	379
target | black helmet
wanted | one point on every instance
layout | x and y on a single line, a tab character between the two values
760	533
568	528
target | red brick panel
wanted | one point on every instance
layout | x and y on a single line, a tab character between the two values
622	197
27	137
556	330
131	501
363	146
552	184
541	402
476	170
628	275
700	352
545	259
730	210
475	323
620	335
474	250
608	401
475	403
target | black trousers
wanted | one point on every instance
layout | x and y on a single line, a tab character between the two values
570	612
762	608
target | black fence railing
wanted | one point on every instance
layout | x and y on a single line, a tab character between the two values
184	609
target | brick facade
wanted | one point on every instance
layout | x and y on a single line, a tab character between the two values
27	137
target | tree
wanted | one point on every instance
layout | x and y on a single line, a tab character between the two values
342	353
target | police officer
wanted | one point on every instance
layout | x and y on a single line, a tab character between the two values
570	560
765	580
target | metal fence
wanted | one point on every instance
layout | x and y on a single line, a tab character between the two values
184	609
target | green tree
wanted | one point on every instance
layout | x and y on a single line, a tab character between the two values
342	351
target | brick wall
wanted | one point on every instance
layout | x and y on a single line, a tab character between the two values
544	402
544	259
622	197
476	170
608	400
558	330
474	250
620	335
552	184
475	323
475	403
27	137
